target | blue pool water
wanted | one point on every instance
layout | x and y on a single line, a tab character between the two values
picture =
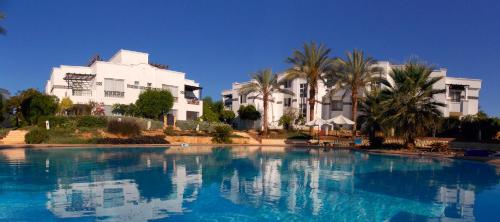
241	184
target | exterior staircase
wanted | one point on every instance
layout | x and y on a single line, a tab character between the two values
14	137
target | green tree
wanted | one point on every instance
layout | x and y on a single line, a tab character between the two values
154	103
1	108
37	106
65	105
119	109
264	83
227	116
410	107
288	118
14	104
311	64
372	112
354	73
248	112
209	110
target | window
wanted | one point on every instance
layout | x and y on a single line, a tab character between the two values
114	88
136	83
171	89
243	99
287	102
81	92
303	109
287	84
336	105
455	95
190	115
303	90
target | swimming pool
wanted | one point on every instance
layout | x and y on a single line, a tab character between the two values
240	184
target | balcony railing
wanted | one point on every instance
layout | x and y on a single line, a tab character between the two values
193	101
115	94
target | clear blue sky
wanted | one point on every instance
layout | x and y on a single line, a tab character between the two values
220	42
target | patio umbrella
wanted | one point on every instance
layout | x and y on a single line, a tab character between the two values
317	122
340	120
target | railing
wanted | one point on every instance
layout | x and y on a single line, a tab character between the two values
115	94
193	101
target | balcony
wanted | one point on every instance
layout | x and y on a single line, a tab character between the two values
193	101
114	94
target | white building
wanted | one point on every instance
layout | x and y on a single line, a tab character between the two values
461	97
121	79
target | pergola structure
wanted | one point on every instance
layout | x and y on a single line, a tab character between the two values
79	83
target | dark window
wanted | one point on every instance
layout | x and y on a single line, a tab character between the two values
303	109
287	102
336	105
303	90
243	99
288	84
191	115
455	95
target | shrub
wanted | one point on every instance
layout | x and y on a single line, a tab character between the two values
124	127
222	134
134	140
299	136
186	124
376	141
152	103
248	112
91	121
169	131
57	122
36	136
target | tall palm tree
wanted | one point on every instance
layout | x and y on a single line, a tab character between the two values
264	83
2	30
409	101
311	64
354	73
371	114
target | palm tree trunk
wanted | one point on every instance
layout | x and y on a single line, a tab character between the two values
312	102
264	99
354	111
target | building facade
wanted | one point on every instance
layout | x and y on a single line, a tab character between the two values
461	97
121	79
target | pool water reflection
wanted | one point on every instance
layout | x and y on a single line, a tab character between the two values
240	184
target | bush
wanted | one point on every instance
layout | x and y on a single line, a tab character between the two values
57	122
299	136
91	121
36	136
134	140
169	131
186	124
124	127
376	141
222	134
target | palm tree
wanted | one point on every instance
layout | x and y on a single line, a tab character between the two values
409	100
311	64
264	83
354	73
2	30
371	114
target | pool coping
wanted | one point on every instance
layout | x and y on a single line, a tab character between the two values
488	160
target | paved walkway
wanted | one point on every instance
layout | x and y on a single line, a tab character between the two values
14	137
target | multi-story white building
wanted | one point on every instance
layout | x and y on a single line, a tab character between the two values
461	97
121	79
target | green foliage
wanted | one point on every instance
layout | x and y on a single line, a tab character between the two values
227	116
248	112
36	136
186	124
57	122
169	131
478	127
372	114
153	103
34	105
288	118
299	136
65	105
409	105
1	108
376	141
91	121
124	127
211	110
222	134
119	109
